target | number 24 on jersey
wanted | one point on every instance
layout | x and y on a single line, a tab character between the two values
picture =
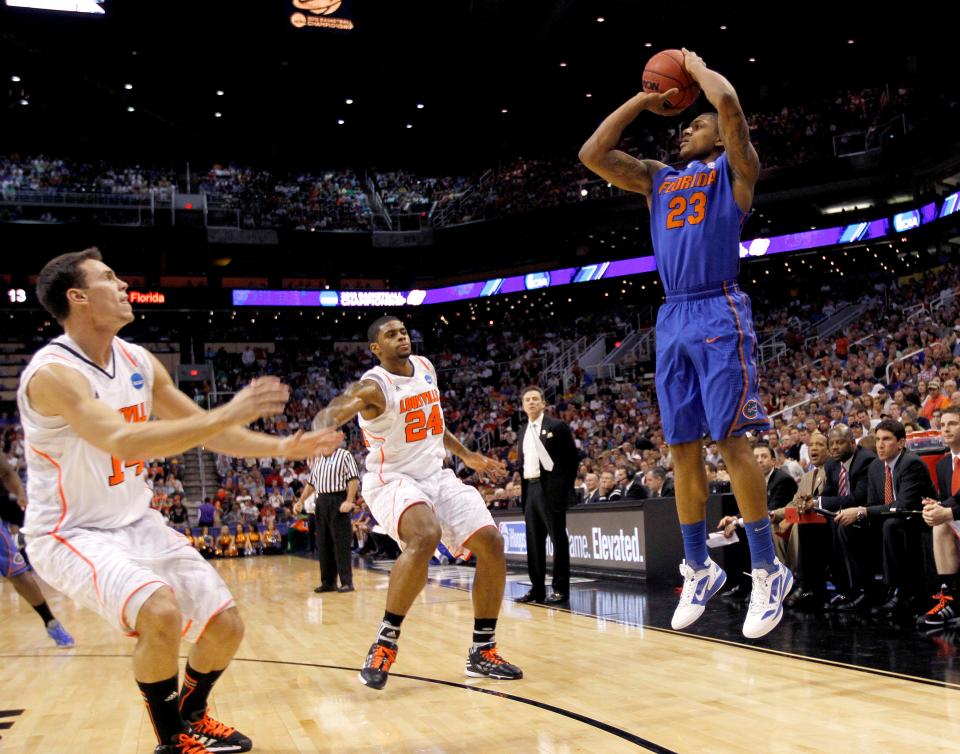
418	423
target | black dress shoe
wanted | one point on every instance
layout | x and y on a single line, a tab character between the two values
890	605
557	598
530	598
739	592
852	603
345	588
325	588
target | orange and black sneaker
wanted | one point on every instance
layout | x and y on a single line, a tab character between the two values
485	662
375	670
183	743
941	615
218	737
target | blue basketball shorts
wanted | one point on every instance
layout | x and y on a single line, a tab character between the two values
707	379
12	562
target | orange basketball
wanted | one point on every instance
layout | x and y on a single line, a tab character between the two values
664	72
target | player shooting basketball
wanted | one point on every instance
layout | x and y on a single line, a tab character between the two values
706	347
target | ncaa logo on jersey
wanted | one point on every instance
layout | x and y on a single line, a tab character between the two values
18	559
751	409
136	379
428	379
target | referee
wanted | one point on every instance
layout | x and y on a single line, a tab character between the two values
335	480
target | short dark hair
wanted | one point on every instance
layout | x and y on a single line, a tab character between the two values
766	446
710	465
58	276
893	426
532	388
374	330
659	472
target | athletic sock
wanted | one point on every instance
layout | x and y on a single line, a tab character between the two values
695	544
484	632
162	700
43	610
196	689
389	631
760	539
948	583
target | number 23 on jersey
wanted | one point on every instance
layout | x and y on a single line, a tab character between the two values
679	214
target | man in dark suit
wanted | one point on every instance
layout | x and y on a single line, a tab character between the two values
943	516
657	482
548	461
781	487
896	481
845	487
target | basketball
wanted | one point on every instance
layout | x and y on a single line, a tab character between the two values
664	72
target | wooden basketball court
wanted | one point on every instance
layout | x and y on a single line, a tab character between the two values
591	685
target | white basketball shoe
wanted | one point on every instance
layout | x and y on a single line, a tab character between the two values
698	587
766	599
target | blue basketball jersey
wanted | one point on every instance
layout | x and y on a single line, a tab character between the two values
695	223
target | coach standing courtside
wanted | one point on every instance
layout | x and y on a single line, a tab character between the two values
548	464
335	480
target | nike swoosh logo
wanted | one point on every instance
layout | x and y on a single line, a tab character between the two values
698	595
711	340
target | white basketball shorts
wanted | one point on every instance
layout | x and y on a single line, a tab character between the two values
114	571
459	508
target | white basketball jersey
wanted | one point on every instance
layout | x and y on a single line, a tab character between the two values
70	483
407	438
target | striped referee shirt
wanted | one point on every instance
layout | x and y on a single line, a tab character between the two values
330	474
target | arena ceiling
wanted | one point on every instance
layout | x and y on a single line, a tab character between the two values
553	67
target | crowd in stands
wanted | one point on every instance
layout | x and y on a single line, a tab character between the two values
332	200
50	176
795	134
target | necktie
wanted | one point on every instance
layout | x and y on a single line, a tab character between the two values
955	482
818	482
844	485
545	460
888	487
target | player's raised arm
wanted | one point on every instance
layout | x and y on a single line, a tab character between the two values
364	397
169	402
600	154
60	391
733	123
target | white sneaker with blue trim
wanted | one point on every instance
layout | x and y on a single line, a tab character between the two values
698	587
766	599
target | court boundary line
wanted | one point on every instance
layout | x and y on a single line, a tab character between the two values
715	640
729	643
576	716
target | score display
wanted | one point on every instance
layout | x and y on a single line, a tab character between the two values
16	296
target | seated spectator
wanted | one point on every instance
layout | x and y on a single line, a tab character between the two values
591	488
657	483
608	488
272	540
714	485
226	547
897	481
943	516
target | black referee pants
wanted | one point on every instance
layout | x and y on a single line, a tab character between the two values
334	536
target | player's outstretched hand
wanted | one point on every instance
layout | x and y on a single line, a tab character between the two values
495	469
263	397
311	444
657	103
693	64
